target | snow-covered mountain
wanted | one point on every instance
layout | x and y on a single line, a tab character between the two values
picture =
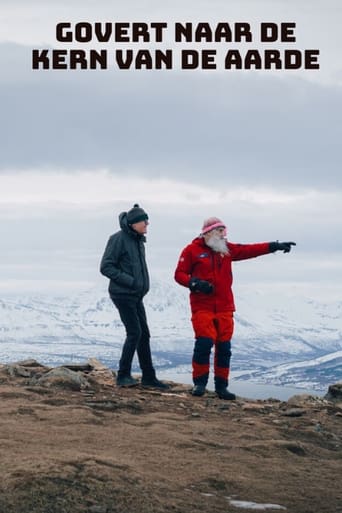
284	339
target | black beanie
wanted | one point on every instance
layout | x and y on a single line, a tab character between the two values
136	214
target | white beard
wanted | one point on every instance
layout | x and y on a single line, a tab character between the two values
217	244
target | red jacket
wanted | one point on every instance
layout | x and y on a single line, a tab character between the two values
197	260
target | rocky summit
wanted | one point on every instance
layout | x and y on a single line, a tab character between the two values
71	441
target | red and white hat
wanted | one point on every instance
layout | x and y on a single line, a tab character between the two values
211	223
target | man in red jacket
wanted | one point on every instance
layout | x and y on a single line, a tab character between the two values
205	267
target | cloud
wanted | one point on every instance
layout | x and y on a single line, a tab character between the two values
261	150
86	189
79	206
236	128
55	226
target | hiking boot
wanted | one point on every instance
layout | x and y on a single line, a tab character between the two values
198	390
223	393
154	383
126	381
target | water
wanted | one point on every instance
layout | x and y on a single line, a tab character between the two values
246	389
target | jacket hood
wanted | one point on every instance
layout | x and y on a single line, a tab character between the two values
123	221
125	227
199	241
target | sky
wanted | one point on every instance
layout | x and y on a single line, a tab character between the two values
260	149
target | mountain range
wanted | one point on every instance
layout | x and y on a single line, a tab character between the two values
284	339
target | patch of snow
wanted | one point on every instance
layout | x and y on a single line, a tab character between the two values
255	505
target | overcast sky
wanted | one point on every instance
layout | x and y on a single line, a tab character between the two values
260	149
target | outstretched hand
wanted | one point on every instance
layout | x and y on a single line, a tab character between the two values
281	246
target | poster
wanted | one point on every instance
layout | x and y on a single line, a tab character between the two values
231	109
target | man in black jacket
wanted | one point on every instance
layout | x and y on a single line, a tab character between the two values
124	263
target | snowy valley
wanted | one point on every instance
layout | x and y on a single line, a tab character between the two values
287	339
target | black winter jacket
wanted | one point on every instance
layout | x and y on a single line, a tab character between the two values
124	263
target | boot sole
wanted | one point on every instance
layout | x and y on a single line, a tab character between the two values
127	385
233	398
198	394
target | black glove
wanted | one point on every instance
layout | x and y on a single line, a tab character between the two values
282	246
197	285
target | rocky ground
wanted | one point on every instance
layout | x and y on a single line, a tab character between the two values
72	442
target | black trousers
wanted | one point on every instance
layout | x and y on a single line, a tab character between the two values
133	315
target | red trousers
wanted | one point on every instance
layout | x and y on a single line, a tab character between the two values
212	329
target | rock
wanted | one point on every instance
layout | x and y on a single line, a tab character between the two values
300	399
293	412
104	405
18	370
24	368
30	363
223	407
98	509
63	378
100	374
82	367
257	407
334	392
95	364
294	447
